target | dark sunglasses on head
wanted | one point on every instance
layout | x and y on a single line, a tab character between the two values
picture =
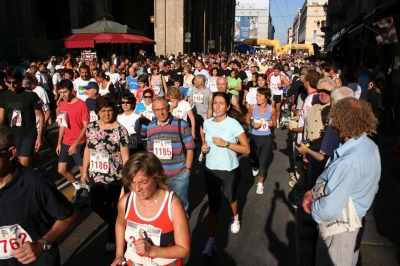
126	102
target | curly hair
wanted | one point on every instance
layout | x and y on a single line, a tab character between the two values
352	117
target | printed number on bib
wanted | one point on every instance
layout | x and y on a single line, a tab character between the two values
93	116
12	237
263	122
62	119
274	87
157	89
99	163
16	119
148	114
177	113
163	149
133	141
198	97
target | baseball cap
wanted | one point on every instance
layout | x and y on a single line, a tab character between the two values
91	85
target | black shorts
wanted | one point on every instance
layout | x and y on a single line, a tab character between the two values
277	98
25	146
77	157
217	179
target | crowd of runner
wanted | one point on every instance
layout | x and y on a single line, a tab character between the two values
134	127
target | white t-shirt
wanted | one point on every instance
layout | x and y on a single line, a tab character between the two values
79	87
129	122
45	101
56	78
275	81
103	92
181	110
251	97
42	80
307	104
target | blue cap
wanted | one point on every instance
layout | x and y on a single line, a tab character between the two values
91	85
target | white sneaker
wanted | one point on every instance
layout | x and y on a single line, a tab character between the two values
235	226
277	123
255	172
210	248
110	247
260	188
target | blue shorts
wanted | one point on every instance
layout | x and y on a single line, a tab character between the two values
25	146
77	157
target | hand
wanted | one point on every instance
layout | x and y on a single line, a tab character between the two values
142	247
58	149
205	148
256	125
307	201
118	261
38	144
218	141
295	118
72	150
302	149
28	252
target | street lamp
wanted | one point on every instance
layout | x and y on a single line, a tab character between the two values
151	19
318	24
325	8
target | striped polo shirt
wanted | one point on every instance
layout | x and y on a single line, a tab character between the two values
169	131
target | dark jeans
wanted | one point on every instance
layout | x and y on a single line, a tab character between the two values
104	201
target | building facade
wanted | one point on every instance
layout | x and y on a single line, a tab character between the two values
253	21
296	27
312	13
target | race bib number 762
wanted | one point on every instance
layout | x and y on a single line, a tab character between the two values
12	237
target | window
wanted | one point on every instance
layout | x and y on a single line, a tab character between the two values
315	24
315	12
314	36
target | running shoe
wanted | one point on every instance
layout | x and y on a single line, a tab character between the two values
292	183
235	227
297	204
210	248
76	197
260	188
110	247
255	172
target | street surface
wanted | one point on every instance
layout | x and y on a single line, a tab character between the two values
267	235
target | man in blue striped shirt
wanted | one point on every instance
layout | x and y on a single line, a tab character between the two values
163	138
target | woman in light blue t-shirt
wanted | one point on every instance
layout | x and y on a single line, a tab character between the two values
223	138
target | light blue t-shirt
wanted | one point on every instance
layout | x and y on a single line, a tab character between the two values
221	158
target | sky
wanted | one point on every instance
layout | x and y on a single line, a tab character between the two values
282	12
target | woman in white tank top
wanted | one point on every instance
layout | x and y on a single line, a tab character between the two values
106	87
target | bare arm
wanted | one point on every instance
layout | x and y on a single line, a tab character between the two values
249	114
40	114
165	85
192	121
124	154
2	114
210	108
120	232
235	103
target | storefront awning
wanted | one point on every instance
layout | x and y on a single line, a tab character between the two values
89	40
335	42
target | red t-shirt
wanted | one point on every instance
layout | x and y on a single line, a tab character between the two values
139	93
77	113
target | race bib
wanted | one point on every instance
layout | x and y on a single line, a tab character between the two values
157	89
148	114
62	119
177	113
274	87
99	163
12	237
213	85
133	141
93	116
163	149
16	119
198	97
263	122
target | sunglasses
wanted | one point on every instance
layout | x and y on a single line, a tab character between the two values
126	102
147	97
15	82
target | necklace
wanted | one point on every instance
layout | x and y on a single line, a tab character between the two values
155	201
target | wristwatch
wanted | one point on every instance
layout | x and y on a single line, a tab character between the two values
46	244
227	144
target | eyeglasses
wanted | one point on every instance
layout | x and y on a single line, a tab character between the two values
106	111
15	82
160	110
147	97
126	102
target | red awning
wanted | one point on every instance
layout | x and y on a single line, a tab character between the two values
89	40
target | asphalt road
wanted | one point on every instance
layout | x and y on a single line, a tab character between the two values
267	235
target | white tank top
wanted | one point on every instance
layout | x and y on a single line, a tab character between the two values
275	80
103	92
